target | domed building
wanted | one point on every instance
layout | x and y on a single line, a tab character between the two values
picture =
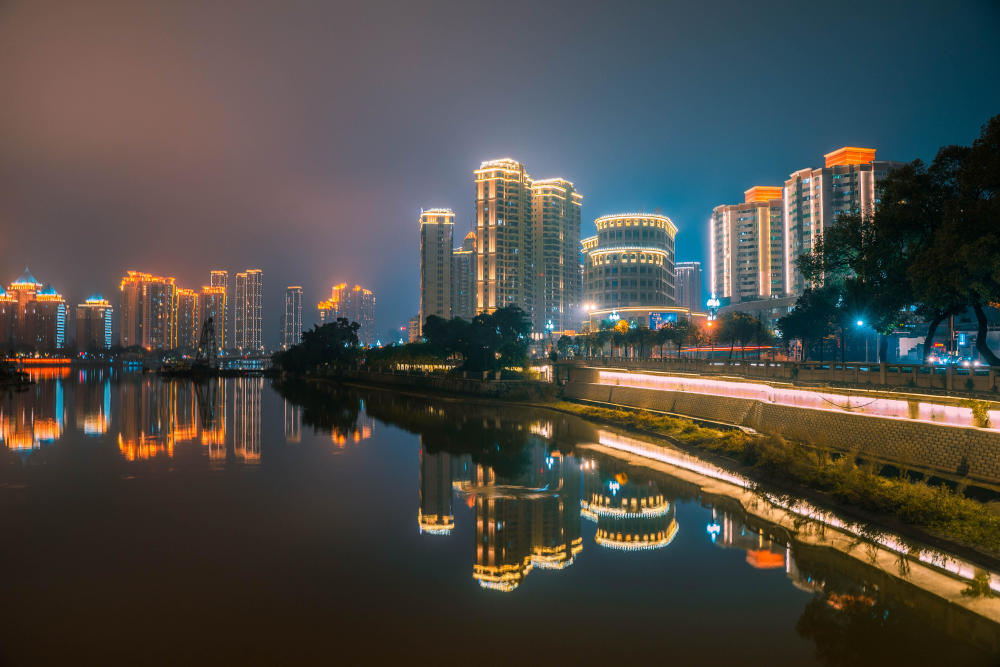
35	316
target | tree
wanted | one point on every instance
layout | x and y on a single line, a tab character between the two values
812	320
331	346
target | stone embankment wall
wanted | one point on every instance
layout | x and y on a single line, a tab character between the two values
507	389
951	450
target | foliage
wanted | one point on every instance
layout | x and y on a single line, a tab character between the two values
333	346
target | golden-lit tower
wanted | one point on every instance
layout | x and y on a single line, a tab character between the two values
748	248
223	326
505	249
463	278
556	209
212	303
188	323
248	310
148	311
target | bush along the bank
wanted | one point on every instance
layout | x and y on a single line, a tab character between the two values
939	510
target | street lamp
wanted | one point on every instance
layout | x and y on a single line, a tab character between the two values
860	324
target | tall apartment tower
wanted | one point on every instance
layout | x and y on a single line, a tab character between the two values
148	311
505	248
748	249
291	323
815	197
223	323
248	311
212	303
188	325
436	234
556	230
356	304
463	278
688	286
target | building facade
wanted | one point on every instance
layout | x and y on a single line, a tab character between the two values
629	270
93	324
223	321
188	323
815	197
687	278
248	309
291	323
212	304
463	278
556	209
46	318
748	247
148	311
356	304
505	248
436	237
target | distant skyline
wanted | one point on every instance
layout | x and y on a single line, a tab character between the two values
304	138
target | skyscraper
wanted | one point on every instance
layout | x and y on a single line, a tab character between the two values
556	222
212	303
46	319
93	324
748	248
291	323
148	311
248	325
688	285
188	324
815	197
8	316
463	278
356	304
436	232
223	323
629	270
505	249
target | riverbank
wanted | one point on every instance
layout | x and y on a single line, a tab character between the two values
934	514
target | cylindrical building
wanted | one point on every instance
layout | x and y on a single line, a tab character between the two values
629	270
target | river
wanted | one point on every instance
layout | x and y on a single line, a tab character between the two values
147	521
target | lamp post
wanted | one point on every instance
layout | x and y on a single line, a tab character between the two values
861	323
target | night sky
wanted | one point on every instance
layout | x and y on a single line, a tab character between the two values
303	138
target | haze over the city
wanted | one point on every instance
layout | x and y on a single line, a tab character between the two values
303	138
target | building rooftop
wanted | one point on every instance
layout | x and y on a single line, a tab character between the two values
762	193
27	279
849	155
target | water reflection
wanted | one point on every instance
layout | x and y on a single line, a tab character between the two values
507	490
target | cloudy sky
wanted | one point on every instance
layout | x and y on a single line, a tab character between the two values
303	137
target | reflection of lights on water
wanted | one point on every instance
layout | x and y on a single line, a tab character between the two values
614	487
549	461
928	556
713	531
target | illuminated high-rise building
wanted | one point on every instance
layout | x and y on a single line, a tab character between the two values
248	303
436	232
815	197
46	319
505	242
23	291
8	316
463	278
629	270
93	324
748	247
188	323
223	321
556	220
212	303
148	311
291	323
356	304
687	279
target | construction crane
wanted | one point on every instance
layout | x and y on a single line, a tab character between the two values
207	344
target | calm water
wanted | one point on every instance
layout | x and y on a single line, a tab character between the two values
147	521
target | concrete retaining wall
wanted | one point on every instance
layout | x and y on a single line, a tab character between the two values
951	450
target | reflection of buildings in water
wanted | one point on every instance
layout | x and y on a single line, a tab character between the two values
213	418
630	516
154	416
247	392
363	429
435	515
762	552
92	406
144	417
34	417
293	422
529	521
